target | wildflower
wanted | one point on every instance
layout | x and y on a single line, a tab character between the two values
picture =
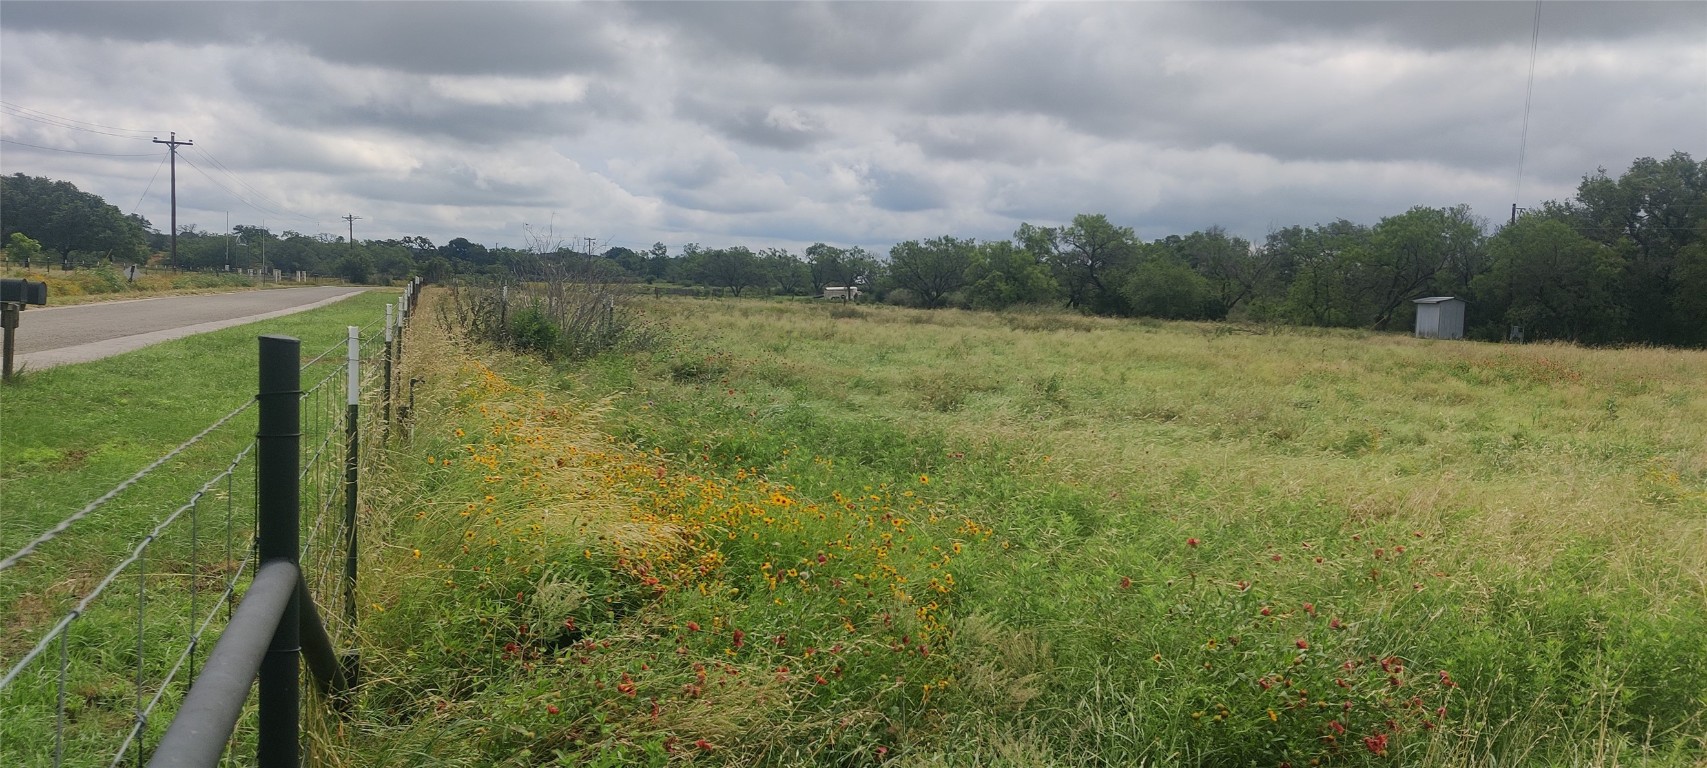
417	554
693	626
702	744
924	479
1334	623
1126	582
1265	611
740	638
551	709
1302	644
1310	608
1376	744
1191	542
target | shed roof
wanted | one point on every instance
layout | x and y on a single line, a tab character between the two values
1436	300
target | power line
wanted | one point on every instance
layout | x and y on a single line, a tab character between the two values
78	151
23	108
1528	97
56	124
240	198
246	185
150	185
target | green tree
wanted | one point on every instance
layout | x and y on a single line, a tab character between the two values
21	249
1648	215
828	265
1086	256
1408	254
1002	275
786	273
1551	280
1327	275
1165	287
734	268
932	269
79	226
630	261
1235	271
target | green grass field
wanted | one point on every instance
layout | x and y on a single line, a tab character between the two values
807	535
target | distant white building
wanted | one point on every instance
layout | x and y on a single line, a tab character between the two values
1440	317
843	292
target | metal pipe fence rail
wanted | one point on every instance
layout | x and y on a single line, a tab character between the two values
99	685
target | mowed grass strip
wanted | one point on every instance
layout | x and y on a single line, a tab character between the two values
72	433
1043	539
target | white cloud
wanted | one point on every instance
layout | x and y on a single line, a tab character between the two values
786	123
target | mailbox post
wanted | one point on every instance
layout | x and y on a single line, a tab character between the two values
15	294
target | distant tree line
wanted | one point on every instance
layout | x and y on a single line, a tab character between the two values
1625	261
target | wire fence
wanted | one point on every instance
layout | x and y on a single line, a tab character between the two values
97	683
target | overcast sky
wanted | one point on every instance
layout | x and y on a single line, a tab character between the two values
853	123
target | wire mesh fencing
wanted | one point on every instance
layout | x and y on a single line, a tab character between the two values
118	603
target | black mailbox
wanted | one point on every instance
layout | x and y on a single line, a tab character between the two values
22	291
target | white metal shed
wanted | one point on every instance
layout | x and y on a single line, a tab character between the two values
1440	317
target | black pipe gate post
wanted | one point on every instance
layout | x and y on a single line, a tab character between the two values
351	463
278	445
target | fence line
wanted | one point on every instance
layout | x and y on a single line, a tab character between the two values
116	490
317	481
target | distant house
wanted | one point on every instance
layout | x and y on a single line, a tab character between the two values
843	292
1440	317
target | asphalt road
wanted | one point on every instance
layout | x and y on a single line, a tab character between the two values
50	336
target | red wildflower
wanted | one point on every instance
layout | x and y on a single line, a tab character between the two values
1310	608
740	638
1301	643
1376	744
1126	582
1334	623
693	626
551	709
1191	542
703	744
1265	611
627	686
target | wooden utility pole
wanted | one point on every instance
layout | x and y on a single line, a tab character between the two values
352	219
173	145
